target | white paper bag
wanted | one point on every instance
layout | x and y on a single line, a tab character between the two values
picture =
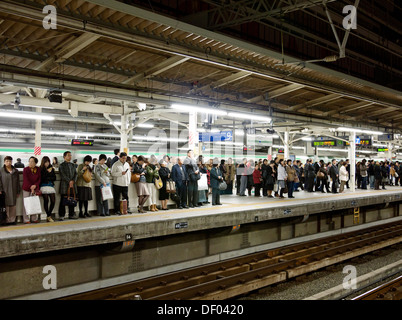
106	193
32	205
203	183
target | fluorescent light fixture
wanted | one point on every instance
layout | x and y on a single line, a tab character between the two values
379	145
30	116
146	125
152	138
230	143
27	131
299	148
215	130
360	131
249	116
201	130
307	139
187	108
239	133
334	150
279	147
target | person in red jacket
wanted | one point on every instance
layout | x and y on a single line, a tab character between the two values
257	179
30	185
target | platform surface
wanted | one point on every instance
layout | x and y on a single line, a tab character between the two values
236	210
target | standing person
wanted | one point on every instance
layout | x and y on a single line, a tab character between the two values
257	177
10	186
230	175
164	173
250	181
377	176
363	174
242	171
264	175
19	164
216	179
270	178
68	178
121	180
48	177
291	176
152	173
310	173
102	175
384	173
84	187
116	157
141	186
334	174
343	176
55	164
180	177
193	173
30	185
282	177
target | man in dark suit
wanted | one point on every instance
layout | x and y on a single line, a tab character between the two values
180	177
334	174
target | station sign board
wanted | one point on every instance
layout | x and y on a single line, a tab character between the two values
216	136
382	150
82	142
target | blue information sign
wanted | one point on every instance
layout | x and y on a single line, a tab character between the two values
216	136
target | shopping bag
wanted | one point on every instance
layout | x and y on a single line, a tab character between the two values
106	193
158	183
170	186
123	207
203	183
32	205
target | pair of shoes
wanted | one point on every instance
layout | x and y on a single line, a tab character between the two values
87	215
219	204
73	217
165	209
61	219
36	221
28	222
291	197
81	215
118	213
49	219
282	197
102	215
185	207
271	197
180	207
152	207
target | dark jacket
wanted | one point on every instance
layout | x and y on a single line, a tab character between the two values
333	172
46	177
68	173
10	185
215	173
177	175
377	172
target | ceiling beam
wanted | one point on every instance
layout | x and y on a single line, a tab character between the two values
229	79
277	93
67	50
353	107
312	103
158	69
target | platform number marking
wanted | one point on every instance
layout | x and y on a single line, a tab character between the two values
129	237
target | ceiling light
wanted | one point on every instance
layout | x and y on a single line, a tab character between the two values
187	108
377	133
30	116
334	150
249	116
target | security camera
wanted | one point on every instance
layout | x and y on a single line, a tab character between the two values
17	101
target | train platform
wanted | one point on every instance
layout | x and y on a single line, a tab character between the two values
235	211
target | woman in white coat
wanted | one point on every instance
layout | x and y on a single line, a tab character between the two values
343	176
282	177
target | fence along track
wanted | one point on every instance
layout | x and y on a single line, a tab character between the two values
238	276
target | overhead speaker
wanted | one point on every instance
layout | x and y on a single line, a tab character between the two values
55	96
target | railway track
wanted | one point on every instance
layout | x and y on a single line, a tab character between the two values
391	290
230	278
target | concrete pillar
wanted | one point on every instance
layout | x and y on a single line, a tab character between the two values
389	153
124	130
193	134
286	144
352	161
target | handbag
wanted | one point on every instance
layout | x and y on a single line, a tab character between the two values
32	205
135	177
158	183
194	177
170	186
223	185
106	193
203	183
70	201
87	176
47	190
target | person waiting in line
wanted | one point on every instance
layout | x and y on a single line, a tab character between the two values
194	175
116	157
10	186
30	186
55	164
152	173
141	185
102	179
121	181
270	178
363	174
282	178
216	179
310	174
291	176
202	195
334	174
377	175
264	176
257	177
84	187
68	179
343	176
230	175
242	172
180	177
164	173
19	164
370	172
250	181
48	177
384	173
